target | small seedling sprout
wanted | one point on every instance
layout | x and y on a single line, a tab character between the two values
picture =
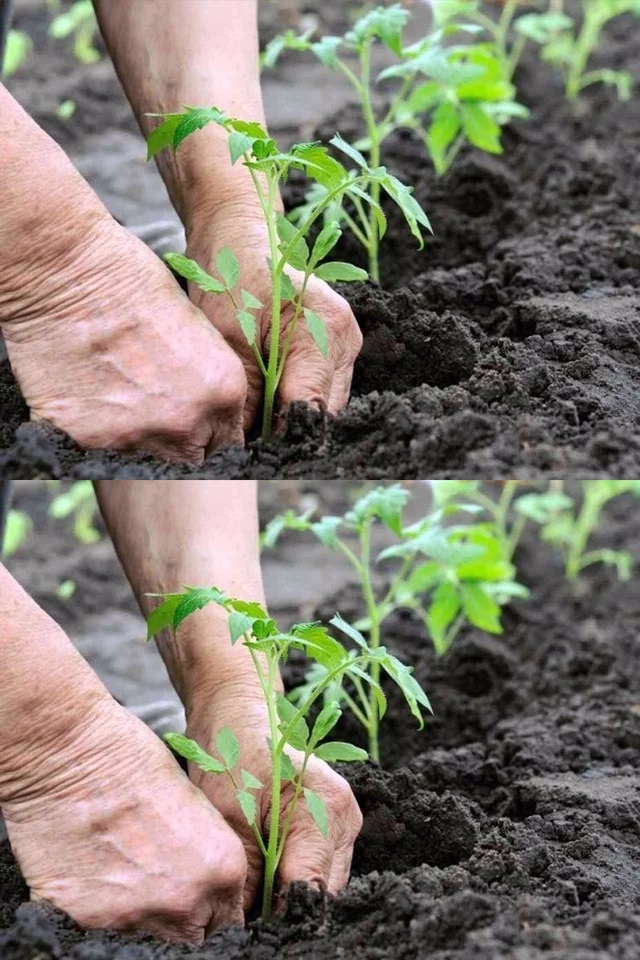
293	737
289	246
447	574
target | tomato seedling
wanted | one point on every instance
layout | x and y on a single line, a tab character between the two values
289	245
446	574
79	22
18	47
79	502
569	524
293	739
446	94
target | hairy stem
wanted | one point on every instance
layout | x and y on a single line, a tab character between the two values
271	384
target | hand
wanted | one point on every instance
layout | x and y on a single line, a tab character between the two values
120	839
307	375
307	855
106	347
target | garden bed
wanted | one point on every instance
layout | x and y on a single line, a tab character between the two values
508	830
509	346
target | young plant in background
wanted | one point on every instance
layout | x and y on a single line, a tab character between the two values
18	47
447	574
446	94
569	524
19	526
79	22
79	502
572	44
293	739
290	246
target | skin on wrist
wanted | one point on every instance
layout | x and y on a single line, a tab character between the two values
50	699
206	57
173	533
48	214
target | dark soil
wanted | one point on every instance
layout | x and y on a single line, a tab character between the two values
509	346
508	830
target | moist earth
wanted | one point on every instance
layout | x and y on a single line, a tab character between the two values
509	346
509	829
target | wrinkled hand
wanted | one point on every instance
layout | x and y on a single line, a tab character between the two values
307	855
122	840
107	348
307	375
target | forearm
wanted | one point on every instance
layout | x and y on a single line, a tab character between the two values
47	692
172	533
170	55
46	210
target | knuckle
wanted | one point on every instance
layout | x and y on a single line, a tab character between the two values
227	386
228	872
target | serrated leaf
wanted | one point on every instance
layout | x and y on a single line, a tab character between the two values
298	737
444	608
239	625
195	599
228	747
162	616
481	609
350	631
195	119
251	302
318	810
326	721
239	144
228	267
318	330
287	769
193	272
192	751
162	136
326	241
340	144
298	256
287	289
480	129
340	272
250	782
326	530
248	325
338	752
249	806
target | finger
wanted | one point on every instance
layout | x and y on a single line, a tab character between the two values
340	390
341	867
307	376
307	856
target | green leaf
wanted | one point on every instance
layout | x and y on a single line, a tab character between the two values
481	609
287	769
326	50
318	810
402	195
193	752
350	151
19	526
480	129
326	721
319	165
287	289
443	130
402	675
336	272
326	241
350	631
298	737
383	503
162	616
195	119
248	325
228	747
193	272
443	610
250	782
249	806
195	599
239	625
318	330
239	144
251	302
319	644
228	267
298	256
338	752
162	136
326	530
